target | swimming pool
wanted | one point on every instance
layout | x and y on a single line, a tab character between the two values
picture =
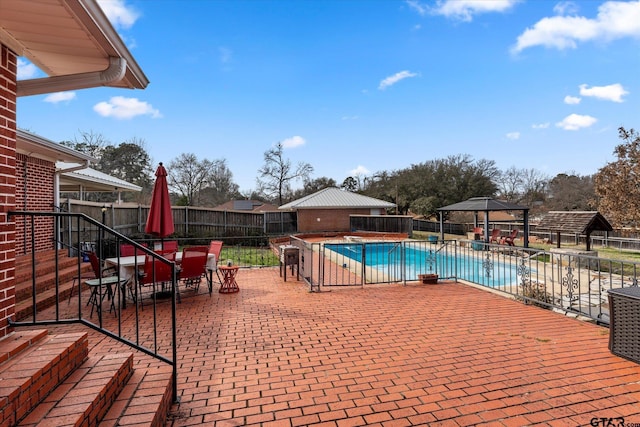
399	261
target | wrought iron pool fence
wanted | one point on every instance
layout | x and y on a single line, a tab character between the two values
563	280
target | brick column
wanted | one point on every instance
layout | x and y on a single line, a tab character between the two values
8	74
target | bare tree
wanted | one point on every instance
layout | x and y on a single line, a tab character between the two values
524	186
221	187
189	176
569	192
277	174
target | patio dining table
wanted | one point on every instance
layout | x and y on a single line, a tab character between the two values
127	266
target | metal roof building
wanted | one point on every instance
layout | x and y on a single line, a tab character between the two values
335	198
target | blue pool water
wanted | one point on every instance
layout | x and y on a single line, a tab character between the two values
405	261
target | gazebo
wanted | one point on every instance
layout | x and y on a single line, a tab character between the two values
486	205
579	222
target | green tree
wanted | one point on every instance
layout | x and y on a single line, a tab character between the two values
350	183
617	184
277	174
130	162
442	181
313	186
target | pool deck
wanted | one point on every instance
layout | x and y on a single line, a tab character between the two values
275	354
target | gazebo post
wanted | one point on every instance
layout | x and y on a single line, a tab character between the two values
526	228
486	226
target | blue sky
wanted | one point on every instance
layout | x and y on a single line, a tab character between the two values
361	86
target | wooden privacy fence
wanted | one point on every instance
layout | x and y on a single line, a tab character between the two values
130	219
381	223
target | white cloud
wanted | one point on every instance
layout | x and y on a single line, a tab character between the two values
120	107
464	10
566	8
540	125
572	100
350	117
359	171
294	141
119	14
415	5
615	20
513	136
26	70
613	92
576	122
391	80
54	98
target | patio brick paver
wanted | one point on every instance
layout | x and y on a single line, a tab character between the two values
275	354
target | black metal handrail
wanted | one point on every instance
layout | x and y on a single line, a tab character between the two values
105	242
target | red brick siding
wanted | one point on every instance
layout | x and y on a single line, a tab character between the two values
34	192
8	72
330	219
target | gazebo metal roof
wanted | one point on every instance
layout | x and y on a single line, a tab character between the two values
486	205
483	204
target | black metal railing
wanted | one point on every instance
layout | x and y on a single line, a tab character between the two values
146	324
566	280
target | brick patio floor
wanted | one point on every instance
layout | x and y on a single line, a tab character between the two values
275	354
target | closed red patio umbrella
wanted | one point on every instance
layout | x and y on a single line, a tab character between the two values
160	219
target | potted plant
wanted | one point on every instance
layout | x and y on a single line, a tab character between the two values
428	278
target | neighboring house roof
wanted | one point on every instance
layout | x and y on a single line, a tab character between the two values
33	145
334	198
247	205
72	41
574	222
87	179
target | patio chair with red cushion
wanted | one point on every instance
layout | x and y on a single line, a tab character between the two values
156	274
127	249
215	248
166	245
509	240
193	266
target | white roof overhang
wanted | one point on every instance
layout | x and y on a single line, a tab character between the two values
33	145
72	41
87	179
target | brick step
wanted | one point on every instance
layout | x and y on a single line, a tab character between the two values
45	282
24	262
40	364
144	401
19	341
47	266
86	395
46	299
41	254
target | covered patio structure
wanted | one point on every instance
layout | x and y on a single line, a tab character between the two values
77	178
486	205
576	222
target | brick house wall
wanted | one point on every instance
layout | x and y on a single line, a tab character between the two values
8	85
34	192
314	220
